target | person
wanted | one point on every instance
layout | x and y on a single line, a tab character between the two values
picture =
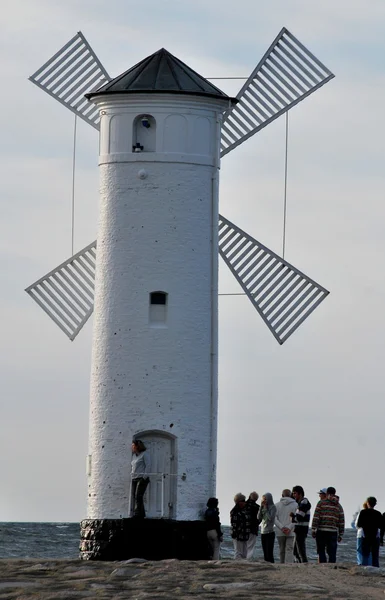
322	493
253	508
301	520
360	535
382	530
328	526
140	469
213	527
284	526
370	520
266	516
240	526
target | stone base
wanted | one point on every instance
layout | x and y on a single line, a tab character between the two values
153	539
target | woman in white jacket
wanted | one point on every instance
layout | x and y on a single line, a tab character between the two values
284	528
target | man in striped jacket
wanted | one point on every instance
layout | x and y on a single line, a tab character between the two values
328	526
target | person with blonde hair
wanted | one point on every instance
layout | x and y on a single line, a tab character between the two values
266	515
360	535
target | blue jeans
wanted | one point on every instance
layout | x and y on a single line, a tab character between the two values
326	543
360	558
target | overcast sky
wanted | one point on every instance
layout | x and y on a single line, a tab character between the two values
310	412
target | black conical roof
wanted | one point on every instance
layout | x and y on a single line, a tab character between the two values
160	73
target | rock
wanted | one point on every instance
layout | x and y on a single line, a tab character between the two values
124	572
218	587
17	584
379	572
38	567
303	587
81	574
136	560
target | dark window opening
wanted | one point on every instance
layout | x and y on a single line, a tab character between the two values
158	298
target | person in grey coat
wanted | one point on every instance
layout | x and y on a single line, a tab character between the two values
266	516
284	526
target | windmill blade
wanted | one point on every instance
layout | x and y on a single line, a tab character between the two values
286	74
69	74
283	295
66	294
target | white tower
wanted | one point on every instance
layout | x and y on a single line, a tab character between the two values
153	277
154	363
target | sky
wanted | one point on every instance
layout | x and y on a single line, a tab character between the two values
310	412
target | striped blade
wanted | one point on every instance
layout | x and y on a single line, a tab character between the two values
69	74
66	294
286	74
283	295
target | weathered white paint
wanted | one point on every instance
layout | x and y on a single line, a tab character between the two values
157	231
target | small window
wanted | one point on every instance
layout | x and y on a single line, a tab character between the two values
158	298
158	309
144	134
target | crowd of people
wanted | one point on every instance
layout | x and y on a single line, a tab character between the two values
289	522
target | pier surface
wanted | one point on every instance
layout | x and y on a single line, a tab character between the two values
141	580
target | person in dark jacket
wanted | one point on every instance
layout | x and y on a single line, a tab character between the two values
213	527
371	522
301	518
240	526
253	508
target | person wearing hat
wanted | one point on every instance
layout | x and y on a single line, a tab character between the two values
322	493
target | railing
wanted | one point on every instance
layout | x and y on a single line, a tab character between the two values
149	475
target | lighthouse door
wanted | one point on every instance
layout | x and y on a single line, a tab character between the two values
159	500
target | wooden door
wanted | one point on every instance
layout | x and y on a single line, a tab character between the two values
159	500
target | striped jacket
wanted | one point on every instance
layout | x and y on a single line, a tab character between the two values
329	516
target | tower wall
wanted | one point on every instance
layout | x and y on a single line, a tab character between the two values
156	371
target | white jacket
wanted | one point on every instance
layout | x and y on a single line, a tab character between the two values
282	518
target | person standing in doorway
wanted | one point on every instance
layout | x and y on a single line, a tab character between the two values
253	508
301	520
266	516
140	469
213	526
240	526
370	520
328	526
284	526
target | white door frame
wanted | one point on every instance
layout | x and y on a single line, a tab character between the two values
169	512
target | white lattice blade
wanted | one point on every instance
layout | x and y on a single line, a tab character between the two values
286	74
283	295
69	74
66	294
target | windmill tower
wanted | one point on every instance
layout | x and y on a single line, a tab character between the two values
151	277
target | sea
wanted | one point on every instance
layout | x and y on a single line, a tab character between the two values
61	540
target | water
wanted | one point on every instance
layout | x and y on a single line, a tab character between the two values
61	540
39	540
